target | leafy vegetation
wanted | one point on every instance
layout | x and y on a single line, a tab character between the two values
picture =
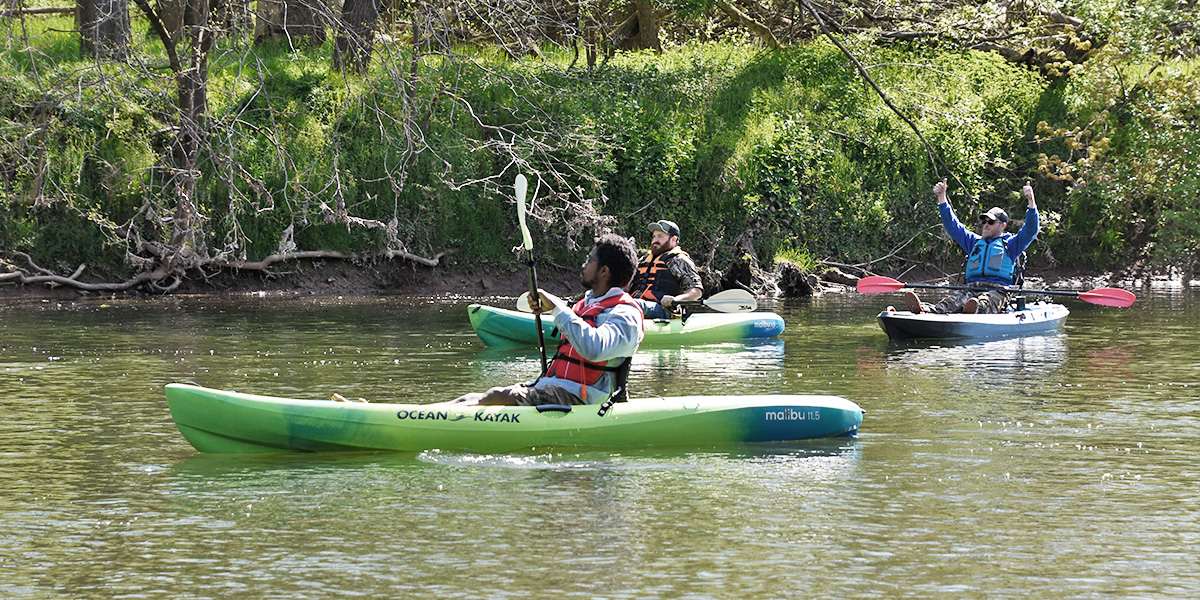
779	153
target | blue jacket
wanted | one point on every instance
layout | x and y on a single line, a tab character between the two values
1014	244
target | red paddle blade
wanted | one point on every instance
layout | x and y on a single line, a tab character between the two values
876	284
1108	297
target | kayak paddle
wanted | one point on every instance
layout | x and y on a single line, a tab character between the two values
728	301
1103	296
520	186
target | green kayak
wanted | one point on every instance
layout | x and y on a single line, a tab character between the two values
502	327
232	422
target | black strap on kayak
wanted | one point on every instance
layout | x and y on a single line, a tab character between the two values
621	391
1018	302
608	404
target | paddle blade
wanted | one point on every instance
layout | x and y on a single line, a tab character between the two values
1108	297
521	185
523	303
732	301
876	284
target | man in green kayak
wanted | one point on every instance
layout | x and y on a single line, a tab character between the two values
665	276
991	257
600	334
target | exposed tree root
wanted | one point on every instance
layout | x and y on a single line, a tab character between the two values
171	274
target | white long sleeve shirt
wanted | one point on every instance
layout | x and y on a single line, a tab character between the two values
617	335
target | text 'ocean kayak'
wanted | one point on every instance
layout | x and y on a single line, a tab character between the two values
500	327
1039	317
232	422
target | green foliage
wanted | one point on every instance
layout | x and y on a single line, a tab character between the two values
1121	142
788	152
58	237
794	151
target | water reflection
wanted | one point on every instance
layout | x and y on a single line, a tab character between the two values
655	458
996	469
1032	352
720	368
404	521
1111	364
724	367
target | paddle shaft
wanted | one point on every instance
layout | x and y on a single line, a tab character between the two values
998	289
519	186
729	301
725	307
537	316
877	284
726	302
984	289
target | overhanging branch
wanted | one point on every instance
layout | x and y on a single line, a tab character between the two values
933	153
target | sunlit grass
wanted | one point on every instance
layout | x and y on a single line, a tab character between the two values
799	257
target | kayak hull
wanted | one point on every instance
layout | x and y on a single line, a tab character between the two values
500	327
1036	318
230	422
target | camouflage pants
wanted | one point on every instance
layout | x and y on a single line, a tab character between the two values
991	300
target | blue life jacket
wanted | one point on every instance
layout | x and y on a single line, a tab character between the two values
990	259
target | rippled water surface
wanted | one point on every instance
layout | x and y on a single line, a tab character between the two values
1057	466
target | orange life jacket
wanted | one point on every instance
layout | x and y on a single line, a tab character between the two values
570	365
654	280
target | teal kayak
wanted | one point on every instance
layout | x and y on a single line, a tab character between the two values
232	422
504	327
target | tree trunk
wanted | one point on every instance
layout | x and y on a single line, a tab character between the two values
185	248
647	26
171	13
192	86
762	31
104	28
352	48
294	21
627	35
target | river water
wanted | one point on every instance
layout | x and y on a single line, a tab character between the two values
1056	466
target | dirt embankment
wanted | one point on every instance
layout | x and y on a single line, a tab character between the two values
340	278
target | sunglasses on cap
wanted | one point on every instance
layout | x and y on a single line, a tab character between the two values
984	219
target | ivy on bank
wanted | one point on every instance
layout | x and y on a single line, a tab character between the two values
771	153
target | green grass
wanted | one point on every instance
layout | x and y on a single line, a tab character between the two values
790	148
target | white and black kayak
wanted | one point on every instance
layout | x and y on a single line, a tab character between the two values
1039	317
1022	319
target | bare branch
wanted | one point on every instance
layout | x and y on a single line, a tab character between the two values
933	153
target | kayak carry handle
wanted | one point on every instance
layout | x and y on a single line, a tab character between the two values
562	408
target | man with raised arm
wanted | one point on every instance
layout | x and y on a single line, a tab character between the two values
992	256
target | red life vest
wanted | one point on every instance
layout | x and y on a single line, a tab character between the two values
654	280
569	364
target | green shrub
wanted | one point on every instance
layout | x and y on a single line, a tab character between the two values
788	152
